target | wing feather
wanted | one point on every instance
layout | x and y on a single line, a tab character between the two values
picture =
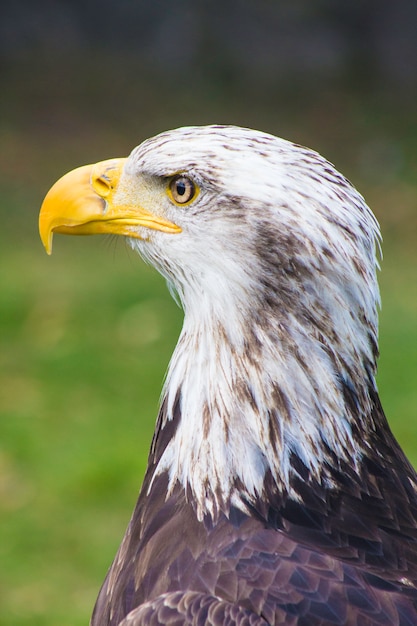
191	608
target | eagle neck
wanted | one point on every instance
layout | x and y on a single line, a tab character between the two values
249	405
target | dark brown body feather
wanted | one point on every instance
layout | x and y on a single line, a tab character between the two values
341	555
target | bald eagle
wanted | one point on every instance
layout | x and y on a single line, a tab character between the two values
275	492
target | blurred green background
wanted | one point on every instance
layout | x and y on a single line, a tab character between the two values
86	335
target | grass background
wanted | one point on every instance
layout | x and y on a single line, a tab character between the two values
86	335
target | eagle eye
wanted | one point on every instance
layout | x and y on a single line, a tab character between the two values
182	189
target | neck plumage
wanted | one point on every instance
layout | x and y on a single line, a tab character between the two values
254	398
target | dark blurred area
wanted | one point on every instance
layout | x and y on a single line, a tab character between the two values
221	41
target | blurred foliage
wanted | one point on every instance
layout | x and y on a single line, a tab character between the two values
83	355
87	334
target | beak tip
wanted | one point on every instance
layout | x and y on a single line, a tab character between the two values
47	242
48	247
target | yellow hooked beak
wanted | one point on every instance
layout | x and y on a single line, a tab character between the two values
83	203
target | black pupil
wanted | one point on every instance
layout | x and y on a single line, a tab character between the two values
181	187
